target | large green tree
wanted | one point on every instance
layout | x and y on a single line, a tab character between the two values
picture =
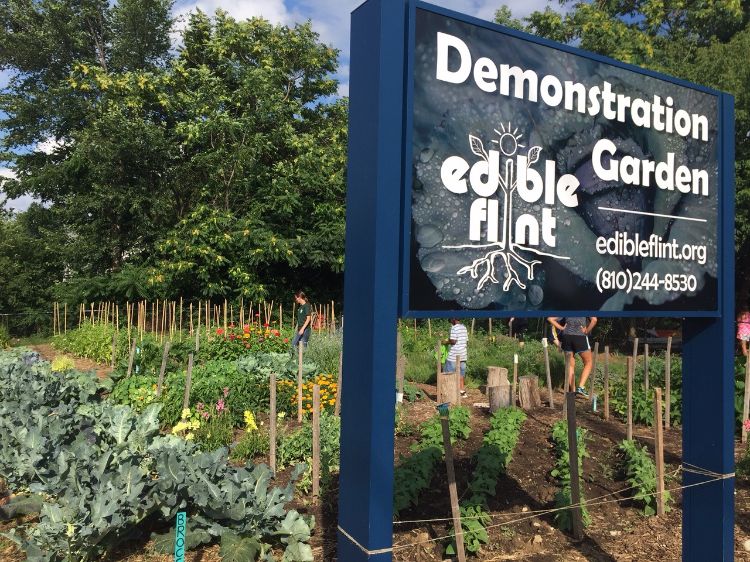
218	169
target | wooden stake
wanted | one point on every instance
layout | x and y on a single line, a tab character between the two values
429	328
180	330
439	358
659	453
163	369
593	369
515	381
457	374
65	318
473	321
272	425
455	510
549	374
225	316
131	358
575	482
490	326
667	381
337	408
299	382
316	443
606	382
630	398
188	383
635	354
54	328
645	366
114	349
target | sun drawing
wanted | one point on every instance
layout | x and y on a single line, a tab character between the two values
508	141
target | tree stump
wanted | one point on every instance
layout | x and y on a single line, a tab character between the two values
447	388
494	376
528	392
499	397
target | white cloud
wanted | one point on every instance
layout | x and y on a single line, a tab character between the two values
48	146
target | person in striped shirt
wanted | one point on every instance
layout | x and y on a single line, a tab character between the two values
458	341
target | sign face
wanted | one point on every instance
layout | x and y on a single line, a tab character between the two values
546	179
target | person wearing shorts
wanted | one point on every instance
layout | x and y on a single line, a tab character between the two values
458	350
743	329
573	333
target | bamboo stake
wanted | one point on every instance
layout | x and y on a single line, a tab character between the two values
593	369
429	328
645	366
515	380
225	316
54	329
65	317
131	358
659	453
667	381
316	443
114	350
490	326
180	331
272	425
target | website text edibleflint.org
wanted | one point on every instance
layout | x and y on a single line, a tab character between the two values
623	244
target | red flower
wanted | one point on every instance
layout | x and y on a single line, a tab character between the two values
219	332
276	333
266	324
246	328
257	314
232	336
286	340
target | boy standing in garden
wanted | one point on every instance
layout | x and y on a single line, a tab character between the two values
458	341
303	324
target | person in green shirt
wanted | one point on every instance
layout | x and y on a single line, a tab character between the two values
303	324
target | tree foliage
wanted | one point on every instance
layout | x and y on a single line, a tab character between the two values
214	169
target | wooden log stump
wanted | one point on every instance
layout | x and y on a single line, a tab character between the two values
528	392
447	389
493	376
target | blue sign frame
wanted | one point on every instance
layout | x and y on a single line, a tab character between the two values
379	168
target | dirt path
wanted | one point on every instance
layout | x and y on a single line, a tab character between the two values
49	353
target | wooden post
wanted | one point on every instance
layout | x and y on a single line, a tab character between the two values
606	382
131	357
659	453
272	425
630	398
457	374
337	410
163	369
438	359
515	381
399	371
746	401
575	482
473	321
299	382
549	375
667	381
114	350
645	367
455	510
429	328
593	369
316	443
188	383
490	325
65	318
225	316
635	354
54	328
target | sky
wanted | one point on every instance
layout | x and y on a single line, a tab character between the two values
330	18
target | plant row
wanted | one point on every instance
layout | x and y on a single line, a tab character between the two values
640	471
414	473
492	461
100	473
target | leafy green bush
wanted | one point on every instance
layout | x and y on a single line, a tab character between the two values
324	351
4	338
297	447
251	445
640	472
62	363
92	341
101	472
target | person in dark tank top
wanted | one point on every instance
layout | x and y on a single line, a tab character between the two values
573	335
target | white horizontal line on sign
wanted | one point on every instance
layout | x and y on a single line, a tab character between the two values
650	214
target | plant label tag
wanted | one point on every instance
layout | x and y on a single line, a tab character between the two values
179	537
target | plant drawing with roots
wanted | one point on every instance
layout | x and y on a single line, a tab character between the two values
505	248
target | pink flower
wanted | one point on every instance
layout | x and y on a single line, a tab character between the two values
746	425
206	415
220	405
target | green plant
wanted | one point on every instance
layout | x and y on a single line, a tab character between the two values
4	337
62	363
92	341
251	445
492	461
412	392
105	472
640	472
297	447
561	472
136	391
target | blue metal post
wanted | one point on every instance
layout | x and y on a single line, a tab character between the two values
708	392
373	227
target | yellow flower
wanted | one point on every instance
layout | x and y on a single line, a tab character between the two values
190	436
185	413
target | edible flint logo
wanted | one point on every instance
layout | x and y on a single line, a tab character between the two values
513	237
